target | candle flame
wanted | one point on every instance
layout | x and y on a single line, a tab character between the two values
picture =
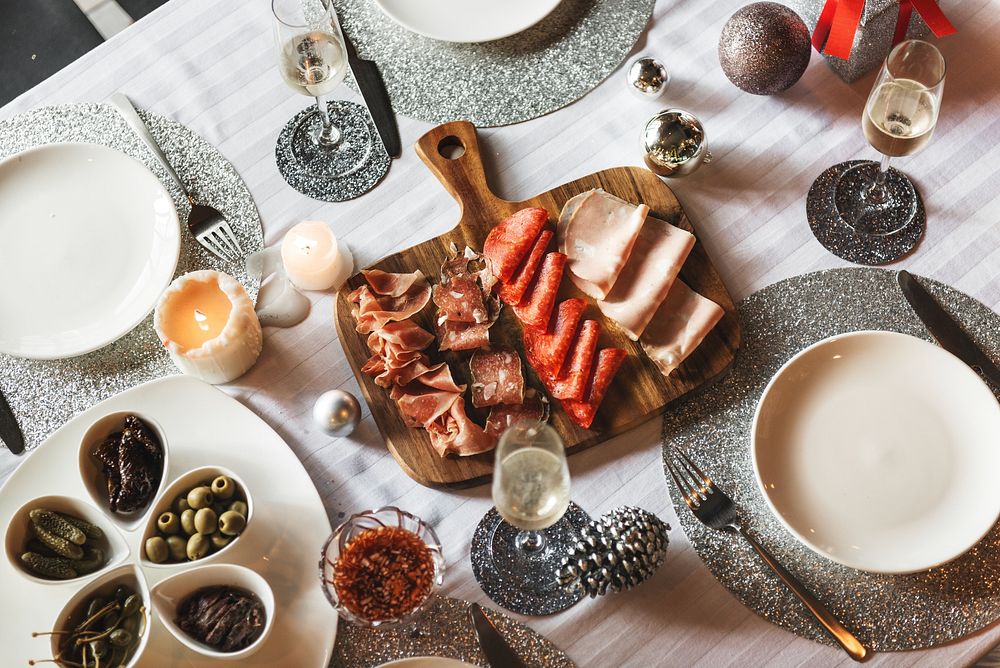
201	320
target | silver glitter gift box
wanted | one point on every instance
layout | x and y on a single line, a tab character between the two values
873	39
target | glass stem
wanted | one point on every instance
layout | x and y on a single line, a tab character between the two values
530	541
877	193
329	136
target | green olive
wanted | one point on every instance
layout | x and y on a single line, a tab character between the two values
178	547
220	540
187	521
156	549
181	504
232	523
223	487
206	521
168	523
219	508
239	507
197	546
200	497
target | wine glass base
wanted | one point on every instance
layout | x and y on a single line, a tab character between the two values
526	583
842	233
338	173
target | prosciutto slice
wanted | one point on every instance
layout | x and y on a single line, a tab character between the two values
389	298
679	326
453	432
597	231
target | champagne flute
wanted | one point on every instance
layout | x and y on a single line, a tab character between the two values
533	525
325	142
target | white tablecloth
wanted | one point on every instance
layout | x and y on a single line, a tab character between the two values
211	65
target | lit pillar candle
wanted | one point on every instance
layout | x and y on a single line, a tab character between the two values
207	323
312	257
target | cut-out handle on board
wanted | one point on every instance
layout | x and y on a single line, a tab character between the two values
451	152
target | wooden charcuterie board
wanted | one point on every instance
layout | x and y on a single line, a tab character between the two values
638	392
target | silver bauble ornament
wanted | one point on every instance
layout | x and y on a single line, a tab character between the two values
673	143
647	76
337	412
764	48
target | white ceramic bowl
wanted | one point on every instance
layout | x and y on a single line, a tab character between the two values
168	595
18	535
165	502
72	612
879	451
90	467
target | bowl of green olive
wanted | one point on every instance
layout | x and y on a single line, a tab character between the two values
198	517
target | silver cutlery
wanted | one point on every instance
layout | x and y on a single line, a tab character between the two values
715	509
497	651
948	333
10	431
207	225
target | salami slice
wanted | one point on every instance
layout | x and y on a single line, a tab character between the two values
546	350
460	335
512	293
461	299
509	242
608	362
496	378
536	306
504	415
572	379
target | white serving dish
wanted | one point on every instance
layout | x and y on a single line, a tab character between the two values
879	451
426	662
467	20
205	427
89	238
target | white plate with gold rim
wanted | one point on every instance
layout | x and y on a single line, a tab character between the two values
467	21
89	238
879	451
203	427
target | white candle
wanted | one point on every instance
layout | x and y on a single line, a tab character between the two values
312	257
207	323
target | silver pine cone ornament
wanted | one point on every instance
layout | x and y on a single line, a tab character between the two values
617	551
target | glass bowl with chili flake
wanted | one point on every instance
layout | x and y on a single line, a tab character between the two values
381	566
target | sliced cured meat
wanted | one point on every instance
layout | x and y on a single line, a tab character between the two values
657	256
422	405
469	263
596	231
679	326
461	299
546	350
496	378
571	382
460	335
404	295
406	334
504	415
609	360
393	285
509	242
453	432
536	307
512	293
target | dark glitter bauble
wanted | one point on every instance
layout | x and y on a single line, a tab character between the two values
764	48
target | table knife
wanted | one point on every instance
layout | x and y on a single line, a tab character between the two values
948	333
496	649
10	431
372	87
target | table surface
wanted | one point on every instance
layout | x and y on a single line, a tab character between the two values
211	65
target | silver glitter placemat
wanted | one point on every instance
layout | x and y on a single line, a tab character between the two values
45	394
887	612
443	629
527	75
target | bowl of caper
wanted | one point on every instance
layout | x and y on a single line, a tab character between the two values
199	516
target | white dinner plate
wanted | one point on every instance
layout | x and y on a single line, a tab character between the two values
89	239
427	662
467	20
202	427
880	451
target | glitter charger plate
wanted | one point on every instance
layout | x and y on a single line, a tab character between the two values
887	612
45	394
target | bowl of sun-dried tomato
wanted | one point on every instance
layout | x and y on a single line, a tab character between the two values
381	566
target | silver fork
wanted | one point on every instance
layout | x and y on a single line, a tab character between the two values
715	509
207	225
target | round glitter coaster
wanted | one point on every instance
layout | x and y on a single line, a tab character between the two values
830	229
344	172
499	578
887	612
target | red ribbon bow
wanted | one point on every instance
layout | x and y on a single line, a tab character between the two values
839	21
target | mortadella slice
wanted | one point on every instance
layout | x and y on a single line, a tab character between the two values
679	326
657	256
597	231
